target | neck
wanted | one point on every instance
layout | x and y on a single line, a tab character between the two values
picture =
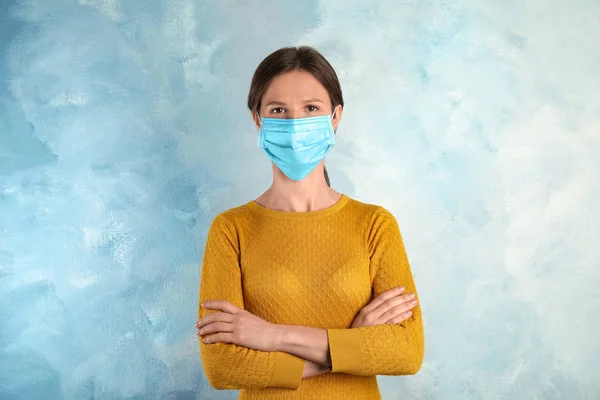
309	194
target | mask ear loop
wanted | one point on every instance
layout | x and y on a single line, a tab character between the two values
260	119
333	116
332	139
260	136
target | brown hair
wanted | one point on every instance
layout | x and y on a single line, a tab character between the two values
288	59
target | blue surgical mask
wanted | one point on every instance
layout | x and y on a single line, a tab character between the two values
297	145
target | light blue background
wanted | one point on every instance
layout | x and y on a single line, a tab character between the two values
123	131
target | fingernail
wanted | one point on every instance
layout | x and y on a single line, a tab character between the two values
400	288
411	296
414	302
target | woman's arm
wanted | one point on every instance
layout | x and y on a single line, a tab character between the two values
229	366
306	342
385	349
312	344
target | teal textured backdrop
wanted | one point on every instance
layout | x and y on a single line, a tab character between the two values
124	130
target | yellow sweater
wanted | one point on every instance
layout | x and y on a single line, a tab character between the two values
316	269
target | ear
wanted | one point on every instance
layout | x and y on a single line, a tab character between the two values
256	120
337	116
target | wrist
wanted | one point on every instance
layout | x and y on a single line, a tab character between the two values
279	337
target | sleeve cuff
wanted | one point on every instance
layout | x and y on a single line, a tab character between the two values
345	350
288	371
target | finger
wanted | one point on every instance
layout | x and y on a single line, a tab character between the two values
401	309
219	338
400	318
388	294
391	303
214	317
221	305
216	327
207	319
395	301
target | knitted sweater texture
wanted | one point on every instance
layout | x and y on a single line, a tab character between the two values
315	269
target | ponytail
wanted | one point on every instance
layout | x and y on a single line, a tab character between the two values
326	176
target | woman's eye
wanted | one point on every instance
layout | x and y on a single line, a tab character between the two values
312	108
277	110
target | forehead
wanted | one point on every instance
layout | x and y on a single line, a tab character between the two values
294	86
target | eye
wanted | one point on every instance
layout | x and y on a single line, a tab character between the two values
312	108
277	110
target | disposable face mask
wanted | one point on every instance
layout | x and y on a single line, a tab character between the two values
297	145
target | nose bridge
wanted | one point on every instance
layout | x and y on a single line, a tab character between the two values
294	111
296	107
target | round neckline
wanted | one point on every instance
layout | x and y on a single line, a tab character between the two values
254	206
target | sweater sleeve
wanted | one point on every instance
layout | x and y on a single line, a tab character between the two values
229	366
382	349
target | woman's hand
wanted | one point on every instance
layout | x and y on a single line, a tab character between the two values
390	307
237	326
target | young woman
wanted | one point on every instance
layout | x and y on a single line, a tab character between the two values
305	292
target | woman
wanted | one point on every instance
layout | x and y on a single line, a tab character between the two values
305	292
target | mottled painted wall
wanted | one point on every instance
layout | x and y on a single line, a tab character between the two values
123	131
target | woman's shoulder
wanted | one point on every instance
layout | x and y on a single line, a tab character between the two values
370	210
378	221
234	214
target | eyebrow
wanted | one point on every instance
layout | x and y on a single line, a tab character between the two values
281	103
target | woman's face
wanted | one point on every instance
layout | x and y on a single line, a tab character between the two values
296	94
